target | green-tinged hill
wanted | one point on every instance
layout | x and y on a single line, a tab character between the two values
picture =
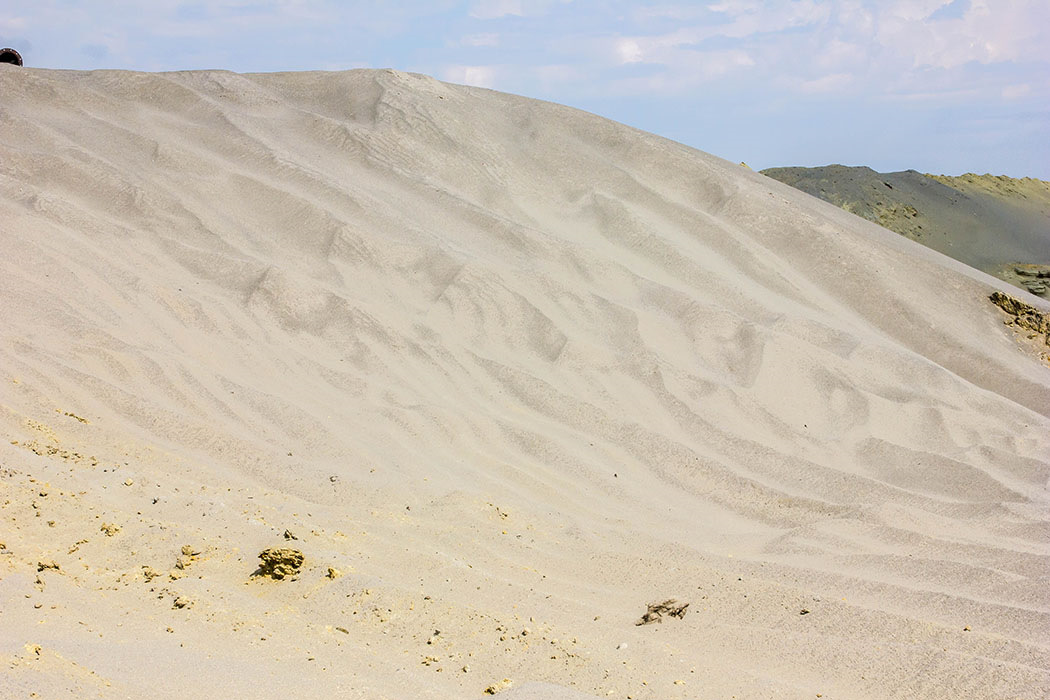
997	224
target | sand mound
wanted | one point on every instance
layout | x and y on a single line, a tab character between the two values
516	372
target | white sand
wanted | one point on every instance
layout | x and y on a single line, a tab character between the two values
506	365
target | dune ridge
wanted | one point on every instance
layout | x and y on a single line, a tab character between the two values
503	365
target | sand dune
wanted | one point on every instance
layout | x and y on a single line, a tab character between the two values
505	373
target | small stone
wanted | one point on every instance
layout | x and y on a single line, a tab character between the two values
128	482
803	611
289	536
280	563
189	551
498	686
50	564
110	529
333	573
525	632
182	602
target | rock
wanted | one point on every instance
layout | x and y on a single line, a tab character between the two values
110	529
149	573
333	573
50	564
188	555
1025	315
278	563
182	602
1034	286
498	686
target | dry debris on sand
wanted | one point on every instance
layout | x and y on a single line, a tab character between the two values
656	612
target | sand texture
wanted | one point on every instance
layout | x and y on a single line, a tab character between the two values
997	224
362	385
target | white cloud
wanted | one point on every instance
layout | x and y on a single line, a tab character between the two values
629	51
478	76
480	40
494	9
987	32
12	24
750	17
684	70
1012	92
835	82
677	12
491	9
913	10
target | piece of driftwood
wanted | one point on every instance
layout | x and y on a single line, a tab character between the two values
656	611
10	56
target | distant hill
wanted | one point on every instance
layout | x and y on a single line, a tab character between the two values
997	224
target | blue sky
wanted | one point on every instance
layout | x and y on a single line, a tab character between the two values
943	86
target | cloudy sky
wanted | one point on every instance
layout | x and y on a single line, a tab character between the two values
943	86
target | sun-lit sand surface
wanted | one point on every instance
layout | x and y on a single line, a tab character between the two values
505	373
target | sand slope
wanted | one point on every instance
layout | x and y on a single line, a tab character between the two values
515	372
992	223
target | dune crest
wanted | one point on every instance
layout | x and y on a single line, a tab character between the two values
514	372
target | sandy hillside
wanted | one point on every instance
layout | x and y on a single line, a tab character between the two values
504	373
997	224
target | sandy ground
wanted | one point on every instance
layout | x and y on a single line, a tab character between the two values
997	224
505	374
